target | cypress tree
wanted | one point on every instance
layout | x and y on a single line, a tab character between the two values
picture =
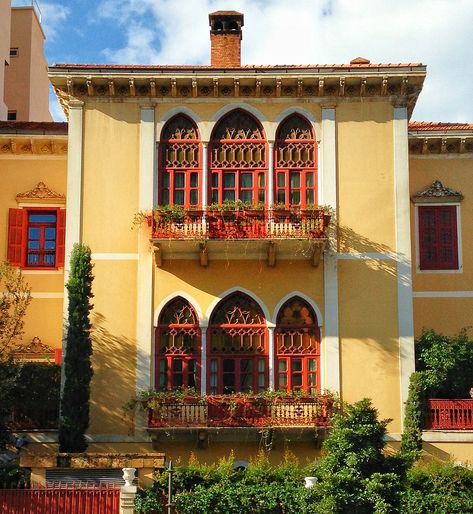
74	417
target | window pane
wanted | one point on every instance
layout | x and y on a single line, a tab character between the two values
50	233
214	179
229	180
246	196
295	179
246	180
179	197
179	180
312	379
261	365
165	198
194	197
261	180
177	365
296	380
213	365
312	365
228	365
282	379
42	218
246	366
309	196
33	245
50	245
296	365
281	179
309	180
177	380
281	196
33	233
194	179
229	195
295	197
283	365
165	179
214	196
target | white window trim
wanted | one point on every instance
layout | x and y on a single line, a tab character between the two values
459	240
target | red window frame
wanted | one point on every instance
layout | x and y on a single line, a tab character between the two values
438	237
218	192
19	238
219	373
284	172
176	177
166	370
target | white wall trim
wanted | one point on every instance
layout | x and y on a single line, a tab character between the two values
403	247
224	294
59	271
115	256
374	256
47	295
192	301
308	299
442	294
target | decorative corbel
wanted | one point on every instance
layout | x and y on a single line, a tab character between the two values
258	87
13	146
194	88
70	86
111	88
90	87
462	145
425	146
173	87
404	83
317	253
158	256
131	83
152	87
341	91
321	87
278	86
300	85
215	83
236	87
443	148
272	250
203	255
384	86
363	87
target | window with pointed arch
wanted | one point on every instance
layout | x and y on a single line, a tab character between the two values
237	347
298	347
238	159
180	163
178	346
295	159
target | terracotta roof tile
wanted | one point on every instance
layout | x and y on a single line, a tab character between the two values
33	127
437	125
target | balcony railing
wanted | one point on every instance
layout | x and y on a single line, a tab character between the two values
449	415
228	411
264	224
39	419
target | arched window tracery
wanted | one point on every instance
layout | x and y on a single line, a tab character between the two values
237	346
295	163
238	159
298	347
178	347
180	163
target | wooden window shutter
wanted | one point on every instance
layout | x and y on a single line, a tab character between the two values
60	238
17	237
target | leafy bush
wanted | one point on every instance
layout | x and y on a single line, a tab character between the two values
439	489
411	442
11	475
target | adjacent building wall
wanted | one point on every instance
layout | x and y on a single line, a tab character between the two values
5	22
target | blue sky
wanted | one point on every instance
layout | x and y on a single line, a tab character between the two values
435	32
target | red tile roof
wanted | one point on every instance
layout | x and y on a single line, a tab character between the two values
437	125
33	127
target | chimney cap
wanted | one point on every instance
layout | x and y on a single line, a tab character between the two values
226	17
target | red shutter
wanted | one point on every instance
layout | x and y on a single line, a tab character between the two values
17	236
60	237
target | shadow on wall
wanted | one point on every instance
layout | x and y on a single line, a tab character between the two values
113	383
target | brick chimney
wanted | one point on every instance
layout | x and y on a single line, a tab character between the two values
225	39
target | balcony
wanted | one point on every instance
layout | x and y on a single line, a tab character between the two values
41	418
259	232
449	415
234	411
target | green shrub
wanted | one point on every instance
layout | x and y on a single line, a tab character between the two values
411	441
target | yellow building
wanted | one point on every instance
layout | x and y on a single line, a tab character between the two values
270	296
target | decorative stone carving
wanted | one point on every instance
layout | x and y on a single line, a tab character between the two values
35	351
435	193
41	193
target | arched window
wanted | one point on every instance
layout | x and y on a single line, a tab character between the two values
177	346
180	163
237	159
237	346
295	159
298	347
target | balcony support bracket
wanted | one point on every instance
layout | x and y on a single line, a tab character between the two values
318	249
272	250
203	255
158	255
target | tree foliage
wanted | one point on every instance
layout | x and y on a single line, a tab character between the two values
74	417
411	441
15	296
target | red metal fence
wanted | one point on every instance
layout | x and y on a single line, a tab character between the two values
69	499
449	415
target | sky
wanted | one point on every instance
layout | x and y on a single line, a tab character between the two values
437	33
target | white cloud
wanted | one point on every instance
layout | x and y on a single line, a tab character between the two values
434	32
53	17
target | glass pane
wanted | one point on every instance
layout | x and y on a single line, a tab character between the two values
228	365
246	180
246	196
312	365
283	365
33	245
295	179
179	180
165	198
165	179
194	179
281	179
213	365
281	196
296	380
214	196
261	382
309	180
282	379
191	366
177	365
194	197
33	233
261	365
229	180
312	379
177	380
42	218
309	196
179	197
246	365
214	179
50	245
229	195
296	365
261	180
295	197
50	233
261	198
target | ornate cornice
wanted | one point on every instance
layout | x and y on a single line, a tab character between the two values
437	192
23	145
41	194
320	84
34	351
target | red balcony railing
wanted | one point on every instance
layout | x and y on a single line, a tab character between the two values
228	411
449	415
264	224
